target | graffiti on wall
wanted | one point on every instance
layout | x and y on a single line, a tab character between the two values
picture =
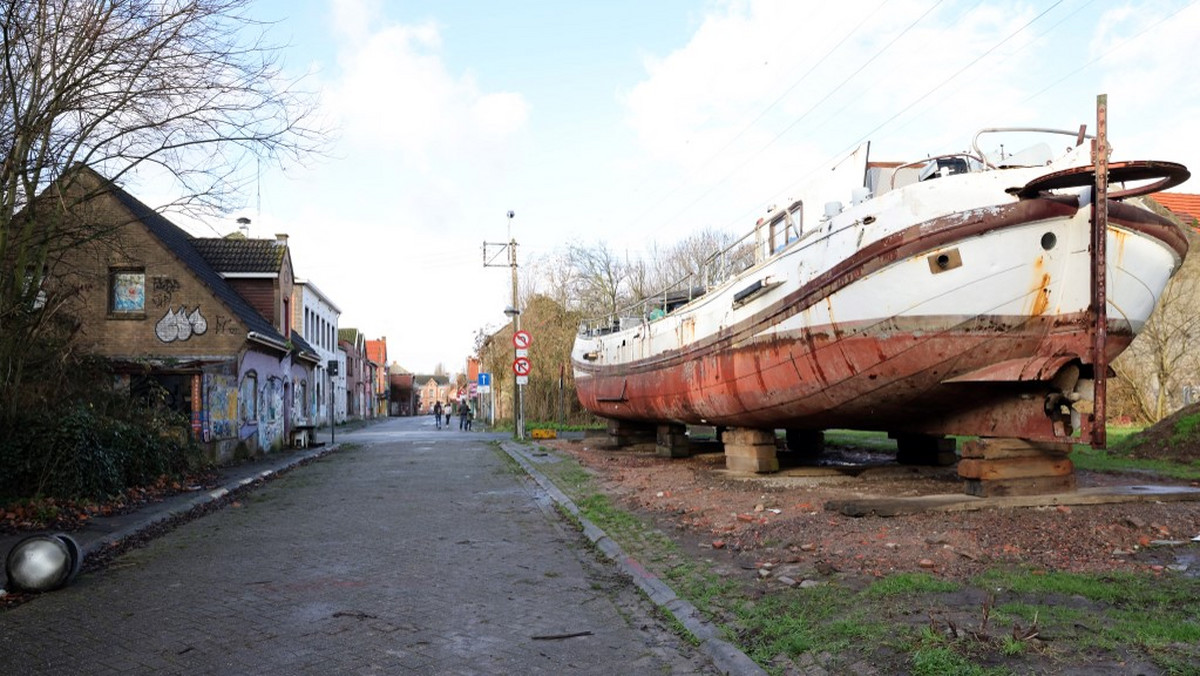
223	407
180	325
225	324
164	289
270	419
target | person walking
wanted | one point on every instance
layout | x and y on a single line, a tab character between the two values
449	412
464	411
437	414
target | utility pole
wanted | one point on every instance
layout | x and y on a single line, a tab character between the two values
513	311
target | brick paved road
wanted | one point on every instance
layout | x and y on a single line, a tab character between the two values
417	551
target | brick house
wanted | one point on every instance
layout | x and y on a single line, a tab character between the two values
152	302
356	375
1185	206
377	356
402	393
431	389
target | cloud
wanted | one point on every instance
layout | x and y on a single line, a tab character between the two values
396	94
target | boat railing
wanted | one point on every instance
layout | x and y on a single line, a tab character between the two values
714	271
1080	136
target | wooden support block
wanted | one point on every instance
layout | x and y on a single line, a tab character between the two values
740	436
624	433
994	449
1014	468
671	441
758	458
1027	486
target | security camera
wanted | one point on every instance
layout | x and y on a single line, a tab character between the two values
511	214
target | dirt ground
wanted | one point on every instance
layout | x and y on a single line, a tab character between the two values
779	526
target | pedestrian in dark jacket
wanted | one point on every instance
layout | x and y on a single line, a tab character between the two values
437	414
464	412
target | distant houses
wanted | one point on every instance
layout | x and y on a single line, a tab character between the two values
219	328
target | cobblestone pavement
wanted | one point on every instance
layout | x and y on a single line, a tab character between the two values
410	550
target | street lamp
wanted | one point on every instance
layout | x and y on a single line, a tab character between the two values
43	562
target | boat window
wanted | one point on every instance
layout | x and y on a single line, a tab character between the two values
944	166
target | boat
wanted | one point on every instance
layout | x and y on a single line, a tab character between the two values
962	294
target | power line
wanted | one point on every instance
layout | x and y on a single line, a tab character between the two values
1109	51
878	53
828	53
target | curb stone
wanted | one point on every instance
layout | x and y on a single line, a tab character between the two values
725	656
93	541
231	487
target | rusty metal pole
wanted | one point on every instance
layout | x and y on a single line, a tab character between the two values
1100	151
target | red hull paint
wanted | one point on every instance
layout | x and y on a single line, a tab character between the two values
884	376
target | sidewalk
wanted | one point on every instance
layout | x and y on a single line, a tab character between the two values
102	532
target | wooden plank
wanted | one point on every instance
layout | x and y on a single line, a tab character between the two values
758	465
958	502
1014	468
747	435
1042	485
1011	448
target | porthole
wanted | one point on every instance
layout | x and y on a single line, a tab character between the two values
944	260
1049	240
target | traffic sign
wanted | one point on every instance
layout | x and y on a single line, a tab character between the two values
521	340
522	380
521	366
485	379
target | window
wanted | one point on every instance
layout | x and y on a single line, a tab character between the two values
32	291
248	397
127	291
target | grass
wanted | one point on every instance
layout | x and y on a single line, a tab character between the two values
916	622
1114	460
910	583
1100	460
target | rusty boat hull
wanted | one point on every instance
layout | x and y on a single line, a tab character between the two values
951	306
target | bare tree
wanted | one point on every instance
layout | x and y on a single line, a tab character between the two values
1164	356
599	279
187	89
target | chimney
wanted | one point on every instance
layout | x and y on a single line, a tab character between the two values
281	239
244	226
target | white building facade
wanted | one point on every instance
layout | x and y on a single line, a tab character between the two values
315	317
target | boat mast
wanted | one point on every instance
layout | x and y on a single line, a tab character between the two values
1100	151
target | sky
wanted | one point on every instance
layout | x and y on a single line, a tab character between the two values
633	123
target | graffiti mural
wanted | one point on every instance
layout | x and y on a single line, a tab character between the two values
180	325
223	410
270	419
248	399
